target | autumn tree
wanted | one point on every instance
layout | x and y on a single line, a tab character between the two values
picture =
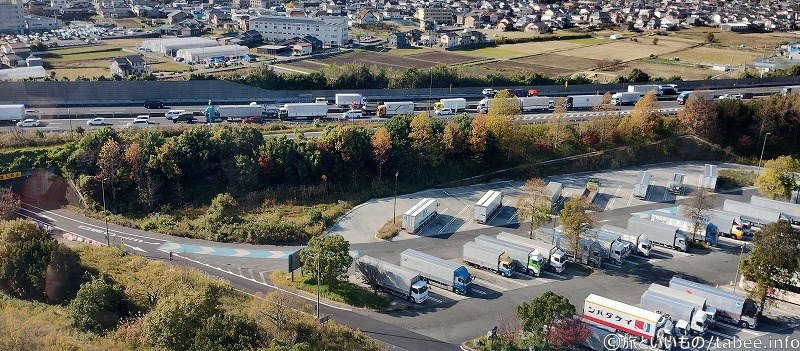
709	37
534	204
542	314
700	202
700	117
9	203
568	333
772	262
279	310
425	140
645	118
503	105
558	128
453	139
381	144
575	218
478	133
779	177
110	161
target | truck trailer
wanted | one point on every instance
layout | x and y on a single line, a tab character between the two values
534	103
489	258
658	233
792	89
545	255
391	108
616	250
687	225
582	102
702	94
640	244
434	269
12	113
642	185
416	217
731	308
303	110
631	320
698	302
726	223
644	89
688	320
709	179
392	278
675	186
752	214
626	98
238	112
590	253
790	211
487	206
523	256
349	100
455	105
554	190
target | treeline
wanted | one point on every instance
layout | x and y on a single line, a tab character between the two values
103	298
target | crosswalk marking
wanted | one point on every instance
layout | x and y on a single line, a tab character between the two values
479	291
555	275
434	299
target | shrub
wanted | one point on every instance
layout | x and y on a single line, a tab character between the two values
98	306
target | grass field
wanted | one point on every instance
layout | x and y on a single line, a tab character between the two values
89	72
655	69
129	23
756	41
506	51
716	56
168	66
560	61
626	50
410	51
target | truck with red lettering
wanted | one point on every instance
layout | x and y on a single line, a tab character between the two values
634	321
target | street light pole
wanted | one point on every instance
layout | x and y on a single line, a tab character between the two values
762	149
736	279
105	214
319	277
394	209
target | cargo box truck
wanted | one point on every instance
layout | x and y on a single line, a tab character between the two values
726	223
676	184
434	269
688	320
644	89
658	233
642	184
582	102
523	256
631	320
698	302
545	255
731	308
304	110
487	206
790	90
621	99
639	242
392	278
554	189
455	105
790	211
615	250
416	217
238	112
688	226
488	258
534	103
752	214
709	179
590	252
686	95
350	100
390	109
12	113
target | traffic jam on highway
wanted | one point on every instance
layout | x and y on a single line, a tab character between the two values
355	106
496	261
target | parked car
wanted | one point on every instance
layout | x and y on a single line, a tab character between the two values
184	117
99	121
444	111
252	120
29	122
353	114
151	104
137	123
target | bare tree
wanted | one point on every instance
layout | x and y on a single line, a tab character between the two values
700	202
9	203
535	205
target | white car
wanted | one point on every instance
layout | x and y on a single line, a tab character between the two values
145	118
353	114
173	113
138	123
489	91
29	123
99	121
444	111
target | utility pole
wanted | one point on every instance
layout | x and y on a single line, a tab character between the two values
394	209
762	149
319	277
105	214
736	278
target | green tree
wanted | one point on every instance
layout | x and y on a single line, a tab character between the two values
97	307
539	316
575	219
176	319
425	140
779	177
226	332
534	204
331	254
772	262
9	203
645	118
63	275
224	209
464	122
24	257
638	76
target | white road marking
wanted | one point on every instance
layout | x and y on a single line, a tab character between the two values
479	291
204	250
240	253
453	220
135	248
434	299
724	336
48	218
554	275
738	328
610	204
495	286
170	247
630	198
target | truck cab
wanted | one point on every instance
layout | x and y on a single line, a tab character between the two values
535	262
558	260
419	291
462	282
506	266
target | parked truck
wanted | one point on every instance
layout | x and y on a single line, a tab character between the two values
454	105
303	110
523	256
416	217
688	320
698	302
434	269
487	206
688	226
391	108
582	102
658	233
751	214
640	244
615	249
392	278
726	223
644	89
642	185
676	184
626	98
731	308
631	320
489	258
709	180
12	113
703	94
350	100
546	255
790	211
590	252
591	190
554	190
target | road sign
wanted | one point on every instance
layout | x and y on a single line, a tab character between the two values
12	175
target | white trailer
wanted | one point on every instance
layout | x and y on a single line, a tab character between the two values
455	105
616	250
545	254
687	318
533	103
640	244
752	214
628	319
698	302
709	179
12	113
303	110
238	112
642	184
416	217
626	98
438	270
591	253
790	211
703	94
676	184
349	100
577	102
554	189
730	307
392	108
688	226
489	258
521	255
727	223
658	233
398	280
644	89
792	89
487	206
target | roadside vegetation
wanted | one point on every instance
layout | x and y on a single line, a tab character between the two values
735	178
390	229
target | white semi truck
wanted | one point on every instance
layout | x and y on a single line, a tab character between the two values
698	302
675	185
454	105
688	320
487	257
416	217
644	89
640	244
303	110
730	307
545	255
434	269
534	103
659	233
631	320
583	102
238	112
485	207
616	249
392	108
350	100
625	98
523	256
392	278
727	223
12	113
790	211
752	214
642	184
688	226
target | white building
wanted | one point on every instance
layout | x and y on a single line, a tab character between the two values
11	17
171	46
329	30
202	54
42	24
21	73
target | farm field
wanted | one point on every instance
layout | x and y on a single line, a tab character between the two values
506	51
749	40
716	56
626	50
655	69
72	73
306	65
395	62
514	67
448	58
560	61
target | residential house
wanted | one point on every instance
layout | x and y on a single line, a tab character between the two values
448	40
218	19
177	16
132	65
251	37
398	40
538	28
366	17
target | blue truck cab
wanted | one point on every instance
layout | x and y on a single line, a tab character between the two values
462	280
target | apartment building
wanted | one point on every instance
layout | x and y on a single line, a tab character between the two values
439	15
11	17
329	30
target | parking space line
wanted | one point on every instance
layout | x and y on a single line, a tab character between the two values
453	220
496	213
434	299
630	198
610	204
659	255
555	275
665	192
479	291
738	328
447	293
724	336
497	287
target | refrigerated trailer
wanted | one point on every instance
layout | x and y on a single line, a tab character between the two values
455	105
709	179
489	258
730	307
676	184
625	98
397	280
752	214
303	110
13	113
578	102
533	103
390	109
554	190
349	100
658	233
487	206
628	319
437	270
698	302
546	255
416	217
639	241
642	184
